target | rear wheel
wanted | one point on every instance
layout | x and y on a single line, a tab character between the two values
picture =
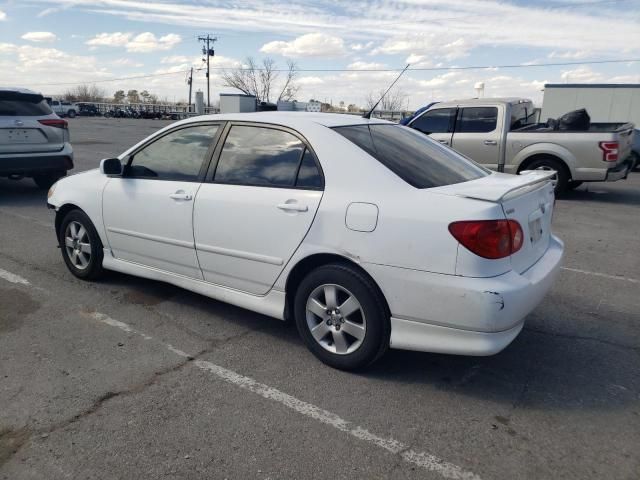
71	114
45	180
80	245
342	317
550	163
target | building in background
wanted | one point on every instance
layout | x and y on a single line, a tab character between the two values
603	102
237	103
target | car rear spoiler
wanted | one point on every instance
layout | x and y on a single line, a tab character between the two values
499	187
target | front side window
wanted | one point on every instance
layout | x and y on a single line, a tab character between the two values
177	155
436	121
259	156
477	120
414	157
16	104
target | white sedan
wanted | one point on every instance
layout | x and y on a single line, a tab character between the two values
368	234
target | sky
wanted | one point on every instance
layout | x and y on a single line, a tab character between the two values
52	45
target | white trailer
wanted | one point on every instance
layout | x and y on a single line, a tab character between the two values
237	103
604	102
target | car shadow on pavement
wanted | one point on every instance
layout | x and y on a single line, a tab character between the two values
21	193
602	192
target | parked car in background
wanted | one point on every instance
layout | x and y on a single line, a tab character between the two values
63	108
34	141
502	134
635	149
88	110
269	211
417	113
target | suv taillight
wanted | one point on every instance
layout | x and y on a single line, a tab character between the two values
55	122
489	238
609	151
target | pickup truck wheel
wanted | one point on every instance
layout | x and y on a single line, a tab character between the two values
45	180
562	181
342	317
71	114
80	244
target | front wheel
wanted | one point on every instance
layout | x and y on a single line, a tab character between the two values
71	114
342	317
80	245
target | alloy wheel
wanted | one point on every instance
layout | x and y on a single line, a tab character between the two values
335	319
78	245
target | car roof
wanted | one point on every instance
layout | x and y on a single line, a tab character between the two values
484	101
18	90
293	119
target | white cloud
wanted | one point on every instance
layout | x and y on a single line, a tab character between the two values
141	43
571	55
366	66
175	59
581	75
308	81
309	45
40	37
115	39
147	42
126	62
358	47
422	47
3	16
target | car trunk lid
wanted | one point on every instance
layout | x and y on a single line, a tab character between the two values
526	198
27	135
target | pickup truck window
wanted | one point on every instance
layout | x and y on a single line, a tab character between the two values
477	120
522	115
414	157
436	121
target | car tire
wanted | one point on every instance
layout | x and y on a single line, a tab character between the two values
71	114
349	339
572	185
549	163
81	246
636	158
45	180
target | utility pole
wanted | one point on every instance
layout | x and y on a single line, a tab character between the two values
209	52
190	82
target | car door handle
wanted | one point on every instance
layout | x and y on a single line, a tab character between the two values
446	142
490	142
180	195
293	207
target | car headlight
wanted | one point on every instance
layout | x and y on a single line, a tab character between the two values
51	190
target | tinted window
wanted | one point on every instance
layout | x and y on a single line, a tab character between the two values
477	120
309	176
414	157
175	156
436	121
259	156
14	104
522	114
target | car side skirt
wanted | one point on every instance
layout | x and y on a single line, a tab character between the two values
272	304
423	337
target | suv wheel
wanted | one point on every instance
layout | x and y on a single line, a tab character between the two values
342	317
45	180
80	244
71	114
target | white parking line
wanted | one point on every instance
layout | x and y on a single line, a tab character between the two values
13	278
424	460
603	275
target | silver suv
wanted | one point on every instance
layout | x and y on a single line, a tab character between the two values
34	141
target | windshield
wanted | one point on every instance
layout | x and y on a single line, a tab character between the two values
413	156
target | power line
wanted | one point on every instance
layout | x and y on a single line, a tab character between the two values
351	70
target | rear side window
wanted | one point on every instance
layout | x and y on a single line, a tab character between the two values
259	156
477	120
436	121
414	157
15	104
309	177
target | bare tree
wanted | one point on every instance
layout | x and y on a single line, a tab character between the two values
391	102
260	79
85	93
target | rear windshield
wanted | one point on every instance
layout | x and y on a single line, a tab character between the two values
414	157
15	104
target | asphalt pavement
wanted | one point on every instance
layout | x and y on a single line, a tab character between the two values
130	378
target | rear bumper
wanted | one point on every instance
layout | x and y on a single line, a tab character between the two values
32	163
462	315
620	172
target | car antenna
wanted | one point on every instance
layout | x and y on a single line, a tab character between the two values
368	114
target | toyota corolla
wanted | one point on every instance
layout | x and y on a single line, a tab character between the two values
367	234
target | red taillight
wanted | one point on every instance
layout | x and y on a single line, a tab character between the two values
489	238
609	151
55	122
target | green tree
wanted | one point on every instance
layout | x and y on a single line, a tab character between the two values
133	96
118	97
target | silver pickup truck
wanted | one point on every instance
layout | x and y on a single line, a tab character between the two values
503	134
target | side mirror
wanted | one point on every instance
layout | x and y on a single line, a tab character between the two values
111	166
